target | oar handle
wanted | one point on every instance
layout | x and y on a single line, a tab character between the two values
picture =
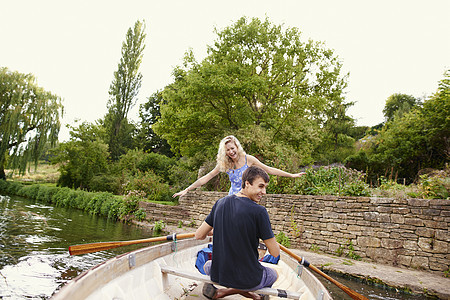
302	261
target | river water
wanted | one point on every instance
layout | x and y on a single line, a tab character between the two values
34	241
34	257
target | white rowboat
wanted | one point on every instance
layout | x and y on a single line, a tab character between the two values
167	271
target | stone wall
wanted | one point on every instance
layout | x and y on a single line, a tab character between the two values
411	233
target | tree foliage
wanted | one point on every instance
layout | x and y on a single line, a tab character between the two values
397	105
82	157
417	140
124	90
337	141
149	113
29	119
255	74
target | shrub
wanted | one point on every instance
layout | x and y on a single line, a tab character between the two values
331	181
130	204
283	239
105	183
434	187
150	184
140	214
46	193
159	164
159	226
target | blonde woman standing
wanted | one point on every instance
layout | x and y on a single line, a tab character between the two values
232	159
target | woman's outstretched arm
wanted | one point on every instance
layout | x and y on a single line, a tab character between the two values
199	182
253	161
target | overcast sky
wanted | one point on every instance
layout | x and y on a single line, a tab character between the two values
73	47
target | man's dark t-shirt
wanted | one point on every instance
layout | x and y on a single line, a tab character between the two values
238	224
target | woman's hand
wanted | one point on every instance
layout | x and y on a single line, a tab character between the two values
182	193
298	175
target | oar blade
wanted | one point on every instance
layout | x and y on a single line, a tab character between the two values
94	247
101	246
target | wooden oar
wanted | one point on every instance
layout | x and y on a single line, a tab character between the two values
302	261
94	247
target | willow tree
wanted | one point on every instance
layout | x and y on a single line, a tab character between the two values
123	91
257	77
29	120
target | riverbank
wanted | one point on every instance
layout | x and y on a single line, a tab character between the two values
407	280
411	281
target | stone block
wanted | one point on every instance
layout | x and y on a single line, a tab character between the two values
418	202
381	255
443	235
425	232
431	212
440	202
330	215
397	218
413	221
371	216
391	243
410	245
425	244
404	260
436	224
332	227
384	218
332	247
382	234
420	262
376	200
366	241
384	209
438	266
440	247
401	210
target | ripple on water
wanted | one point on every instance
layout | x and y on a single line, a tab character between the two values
33	276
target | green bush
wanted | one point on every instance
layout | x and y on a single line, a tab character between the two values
46	193
159	227
283	239
434	187
151	185
105	183
104	203
331	181
140	214
159	164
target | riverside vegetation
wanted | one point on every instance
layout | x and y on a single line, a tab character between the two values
332	180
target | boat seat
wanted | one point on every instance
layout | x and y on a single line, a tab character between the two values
200	277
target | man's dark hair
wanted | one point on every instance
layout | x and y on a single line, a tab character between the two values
252	173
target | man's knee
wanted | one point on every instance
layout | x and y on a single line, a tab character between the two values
207	267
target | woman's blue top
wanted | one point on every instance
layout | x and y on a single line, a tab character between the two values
236	178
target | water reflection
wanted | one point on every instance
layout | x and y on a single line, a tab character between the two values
34	241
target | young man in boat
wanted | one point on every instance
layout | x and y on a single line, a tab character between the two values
239	222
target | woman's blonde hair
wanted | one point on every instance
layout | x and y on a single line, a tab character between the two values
223	161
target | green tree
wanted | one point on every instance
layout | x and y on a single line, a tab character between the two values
397	105
29	119
82	157
149	113
417	140
255	74
123	92
337	142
